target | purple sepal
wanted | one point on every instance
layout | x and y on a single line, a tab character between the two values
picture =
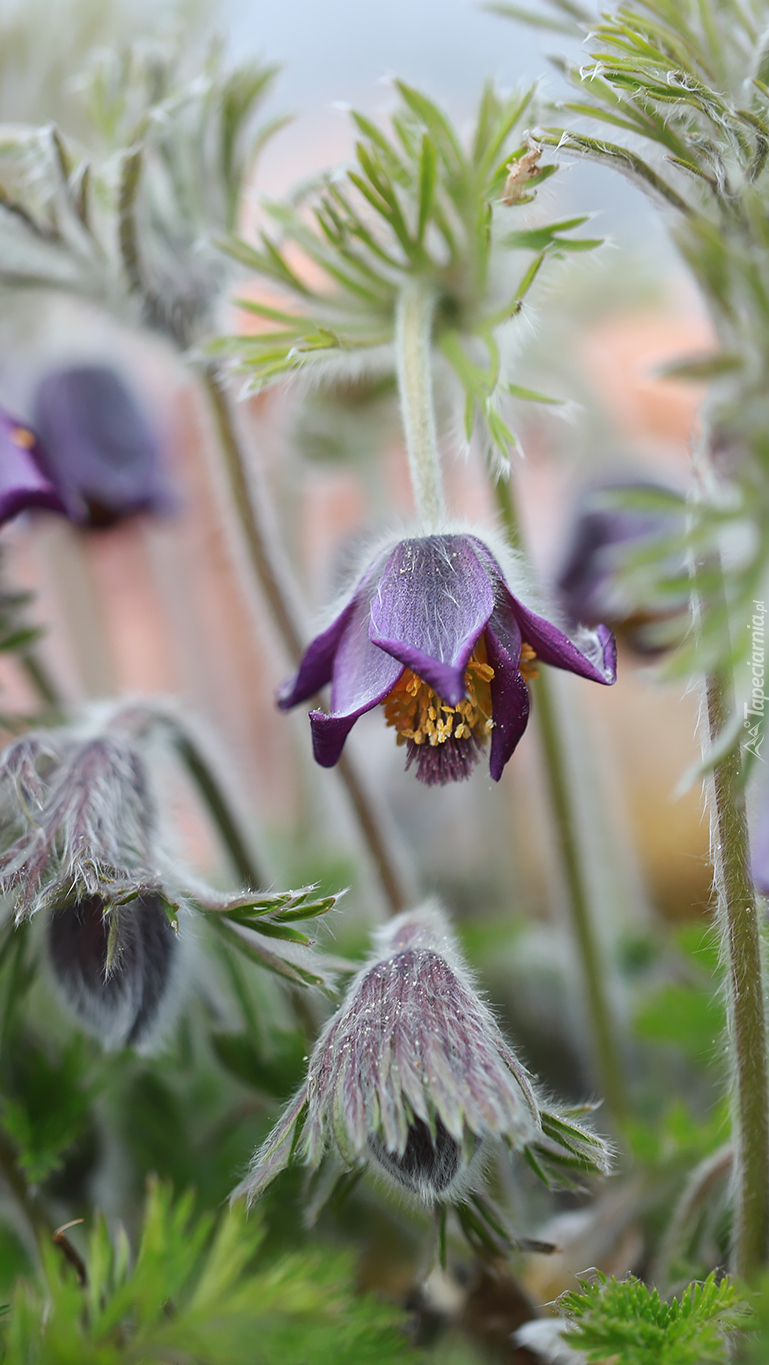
509	693
98	447
23	484
432	604
596	660
317	666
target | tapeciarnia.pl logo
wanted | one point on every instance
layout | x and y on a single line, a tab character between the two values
754	709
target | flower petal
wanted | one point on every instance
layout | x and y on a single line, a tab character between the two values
317	664
509	693
594	657
433	601
22	481
98	446
362	677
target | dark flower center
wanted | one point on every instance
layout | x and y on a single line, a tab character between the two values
428	1163
444	740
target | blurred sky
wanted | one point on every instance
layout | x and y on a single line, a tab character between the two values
346	50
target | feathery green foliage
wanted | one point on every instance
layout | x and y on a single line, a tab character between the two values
196	1291
626	1319
685	87
416	203
132	225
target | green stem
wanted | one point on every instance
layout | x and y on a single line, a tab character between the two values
278	600
564	800
413	331
738	917
220	810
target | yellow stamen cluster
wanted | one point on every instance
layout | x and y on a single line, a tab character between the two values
419	714
527	667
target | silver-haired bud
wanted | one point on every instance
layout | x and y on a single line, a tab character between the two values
118	1001
79	826
412	1075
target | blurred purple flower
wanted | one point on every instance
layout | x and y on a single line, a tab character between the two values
413	1077
97	447
590	582
434	633
23	483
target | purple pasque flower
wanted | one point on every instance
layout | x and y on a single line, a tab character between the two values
435	634
591	585
97	446
23	482
413	1077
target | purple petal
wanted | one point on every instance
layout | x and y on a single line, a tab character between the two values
362	677
509	693
595	658
432	604
22	481
317	665
97	446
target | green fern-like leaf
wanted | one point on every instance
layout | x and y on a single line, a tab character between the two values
626	1320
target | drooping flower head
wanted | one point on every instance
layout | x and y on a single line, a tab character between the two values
23	482
413	1077
591	583
77	820
97	446
434	633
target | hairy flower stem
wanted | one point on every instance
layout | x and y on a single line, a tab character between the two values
413	329
278	600
564	801
738	917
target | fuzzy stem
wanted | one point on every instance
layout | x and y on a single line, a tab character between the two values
413	328
738	917
564	801
278	600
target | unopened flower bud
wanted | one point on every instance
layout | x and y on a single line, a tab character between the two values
118	1001
411	1076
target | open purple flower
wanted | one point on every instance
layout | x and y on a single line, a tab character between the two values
23	482
434	634
97	446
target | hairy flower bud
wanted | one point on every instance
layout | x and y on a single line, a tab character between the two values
411	1076
119	1003
79	826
